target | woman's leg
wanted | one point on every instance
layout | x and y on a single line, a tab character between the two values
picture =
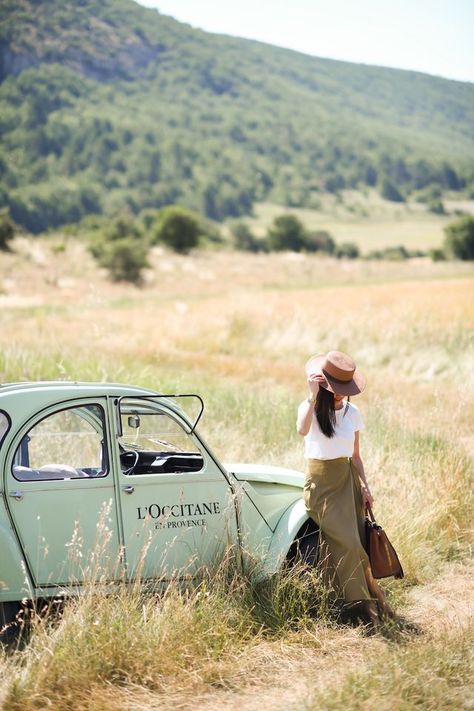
378	593
369	611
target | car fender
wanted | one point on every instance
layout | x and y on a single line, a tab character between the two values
285	533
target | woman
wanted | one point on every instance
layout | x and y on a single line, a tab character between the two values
336	490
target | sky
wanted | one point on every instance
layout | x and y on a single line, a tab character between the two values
432	36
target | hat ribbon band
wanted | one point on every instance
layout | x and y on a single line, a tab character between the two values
338	380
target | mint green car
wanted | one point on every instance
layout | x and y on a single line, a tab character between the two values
103	481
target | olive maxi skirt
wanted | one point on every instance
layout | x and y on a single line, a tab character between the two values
333	499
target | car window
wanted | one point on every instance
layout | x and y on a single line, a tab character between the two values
154	442
68	444
4	426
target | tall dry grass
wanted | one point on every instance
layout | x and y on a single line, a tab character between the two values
184	638
237	329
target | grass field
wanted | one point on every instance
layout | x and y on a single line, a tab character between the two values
237	329
369	221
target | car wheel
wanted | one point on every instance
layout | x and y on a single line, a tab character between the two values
305	547
9	625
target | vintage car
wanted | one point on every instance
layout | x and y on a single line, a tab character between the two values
113	481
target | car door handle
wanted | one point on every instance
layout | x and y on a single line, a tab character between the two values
128	489
18	495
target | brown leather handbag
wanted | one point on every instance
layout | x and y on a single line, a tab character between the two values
382	555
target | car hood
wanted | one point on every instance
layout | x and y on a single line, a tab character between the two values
271	489
266	474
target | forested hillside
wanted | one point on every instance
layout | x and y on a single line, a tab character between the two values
106	106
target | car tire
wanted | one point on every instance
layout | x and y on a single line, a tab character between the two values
9	625
305	548
308	549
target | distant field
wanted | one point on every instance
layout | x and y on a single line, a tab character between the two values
369	221
237	328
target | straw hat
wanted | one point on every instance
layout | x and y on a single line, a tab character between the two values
339	370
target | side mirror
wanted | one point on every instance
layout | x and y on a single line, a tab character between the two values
133	422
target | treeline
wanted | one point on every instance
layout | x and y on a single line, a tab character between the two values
213	123
122	246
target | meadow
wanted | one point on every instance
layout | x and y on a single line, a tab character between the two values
237	328
368	220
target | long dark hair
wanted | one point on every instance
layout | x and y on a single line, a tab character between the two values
325	412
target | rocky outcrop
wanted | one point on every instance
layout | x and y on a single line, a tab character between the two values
127	62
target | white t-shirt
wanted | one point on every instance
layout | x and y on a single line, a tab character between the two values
318	446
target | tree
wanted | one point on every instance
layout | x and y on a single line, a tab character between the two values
178	228
7	230
287	232
451	178
459	240
391	192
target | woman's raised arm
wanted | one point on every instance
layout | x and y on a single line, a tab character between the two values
306	408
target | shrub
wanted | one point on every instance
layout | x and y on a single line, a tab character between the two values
245	240
7	229
178	228
121	249
320	241
347	249
123	226
287	232
437	255
429	194
436	206
125	259
459	240
210	234
394	254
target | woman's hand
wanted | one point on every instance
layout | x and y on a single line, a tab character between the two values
313	383
367	498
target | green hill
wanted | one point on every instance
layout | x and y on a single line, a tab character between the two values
106	106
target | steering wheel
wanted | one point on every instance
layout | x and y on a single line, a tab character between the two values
126	454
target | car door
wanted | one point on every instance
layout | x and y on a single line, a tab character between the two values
178	507
61	494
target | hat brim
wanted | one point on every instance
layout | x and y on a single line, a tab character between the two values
353	387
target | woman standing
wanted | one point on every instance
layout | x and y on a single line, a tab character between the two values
336	491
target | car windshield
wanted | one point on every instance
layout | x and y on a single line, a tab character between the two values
4	425
146	428
154	441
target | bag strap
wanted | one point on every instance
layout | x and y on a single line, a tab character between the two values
370	513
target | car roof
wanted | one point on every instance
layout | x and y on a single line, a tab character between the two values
32	384
73	389
27	396
78	387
